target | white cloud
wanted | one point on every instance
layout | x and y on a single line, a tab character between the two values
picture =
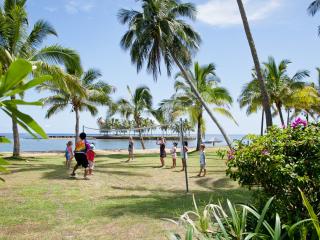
76	6
226	12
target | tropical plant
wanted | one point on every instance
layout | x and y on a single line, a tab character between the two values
93	92
235	221
14	82
205	80
17	42
139	103
284	91
313	8
262	86
159	32
280	162
221	153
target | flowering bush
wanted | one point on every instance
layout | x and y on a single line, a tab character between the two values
281	162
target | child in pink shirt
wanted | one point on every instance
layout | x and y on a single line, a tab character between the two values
90	156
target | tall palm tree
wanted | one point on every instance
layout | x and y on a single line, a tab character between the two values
94	93
206	82
313	8
280	86
265	98
159	32
17	42
140	103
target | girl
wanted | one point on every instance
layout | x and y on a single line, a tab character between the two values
184	153
163	154
174	154
130	149
69	154
90	156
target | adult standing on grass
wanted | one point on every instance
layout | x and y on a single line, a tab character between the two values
163	154
130	149
80	154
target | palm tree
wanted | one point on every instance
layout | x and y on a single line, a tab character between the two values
157	33
206	82
280	86
313	8
265	98
93	93
140	102
16	42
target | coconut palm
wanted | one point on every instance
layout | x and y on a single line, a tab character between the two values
262	86
95	92
159	32
280	86
206	82
313	8
139	103
17	42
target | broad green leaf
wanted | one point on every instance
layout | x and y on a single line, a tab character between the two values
16	73
21	102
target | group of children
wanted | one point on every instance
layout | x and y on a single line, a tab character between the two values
84	155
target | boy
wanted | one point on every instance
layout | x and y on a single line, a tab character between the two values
69	154
203	161
80	154
90	156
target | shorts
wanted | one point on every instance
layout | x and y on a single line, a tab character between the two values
203	166
91	165
163	154
81	159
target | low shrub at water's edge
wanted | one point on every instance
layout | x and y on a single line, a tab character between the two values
281	162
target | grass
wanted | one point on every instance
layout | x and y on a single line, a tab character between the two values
121	201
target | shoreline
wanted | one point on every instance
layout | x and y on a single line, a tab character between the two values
99	152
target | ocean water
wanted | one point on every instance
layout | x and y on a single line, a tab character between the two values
29	144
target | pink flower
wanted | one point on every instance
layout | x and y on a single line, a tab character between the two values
231	154
299	122
265	152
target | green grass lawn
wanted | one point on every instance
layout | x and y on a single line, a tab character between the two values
121	201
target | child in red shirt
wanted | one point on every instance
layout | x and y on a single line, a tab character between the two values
90	156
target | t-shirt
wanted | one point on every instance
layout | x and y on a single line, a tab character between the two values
68	152
202	158
130	147
82	147
90	155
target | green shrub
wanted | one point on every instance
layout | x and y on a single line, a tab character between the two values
221	153
281	162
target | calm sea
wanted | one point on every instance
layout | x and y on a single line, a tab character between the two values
43	145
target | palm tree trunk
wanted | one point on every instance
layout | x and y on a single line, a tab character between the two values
204	104
199	135
141	140
280	114
262	122
16	137
288	117
264	93
76	110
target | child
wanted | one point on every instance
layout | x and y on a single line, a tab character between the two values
130	149
90	156
80	154
184	153
163	154
69	154
174	154
203	161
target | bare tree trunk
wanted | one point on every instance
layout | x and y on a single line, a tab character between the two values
288	117
262	122
264	93
280	114
204	104
16	137
199	133
140	132
76	110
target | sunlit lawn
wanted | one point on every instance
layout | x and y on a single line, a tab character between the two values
121	201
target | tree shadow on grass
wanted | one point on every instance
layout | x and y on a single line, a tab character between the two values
167	205
213	184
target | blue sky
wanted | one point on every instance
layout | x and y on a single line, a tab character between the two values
281	28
